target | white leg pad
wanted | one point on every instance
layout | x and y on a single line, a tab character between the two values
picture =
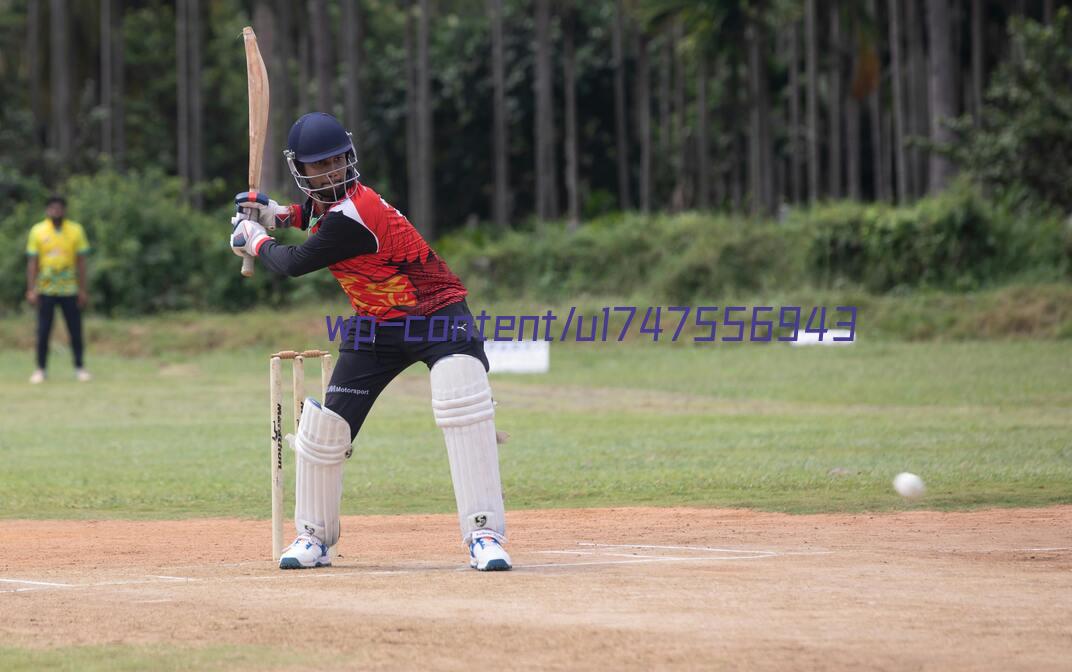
462	405
320	449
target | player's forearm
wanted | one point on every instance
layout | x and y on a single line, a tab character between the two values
82	274
31	273
286	260
337	239
291	260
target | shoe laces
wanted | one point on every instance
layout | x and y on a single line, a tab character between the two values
482	540
308	539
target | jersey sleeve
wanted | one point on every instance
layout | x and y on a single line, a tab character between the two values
296	216
339	237
81	243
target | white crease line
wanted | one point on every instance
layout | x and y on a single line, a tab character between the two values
633	559
646	560
1057	548
597	562
322	575
604	554
38	583
152	601
130	582
678	548
171	578
637	556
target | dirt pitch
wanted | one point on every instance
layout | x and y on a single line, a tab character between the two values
592	589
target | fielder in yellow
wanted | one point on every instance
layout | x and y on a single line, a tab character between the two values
56	276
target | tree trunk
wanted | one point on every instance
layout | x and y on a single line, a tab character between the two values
501	163
918	105
306	71
60	79
621	130
795	159
834	104
569	84
351	41
703	178
642	100
197	164
182	79
546	184
265	27
106	70
879	154
321	25
680	199
755	152
425	140
768	175
853	142
977	46
943	92
117	45
899	158
412	154
35	72
813	100
887	142
732	126
666	58
1047	11
852	146
279	78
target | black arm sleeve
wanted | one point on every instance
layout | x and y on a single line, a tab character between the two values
338	238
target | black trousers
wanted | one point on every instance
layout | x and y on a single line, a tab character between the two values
371	358
72	315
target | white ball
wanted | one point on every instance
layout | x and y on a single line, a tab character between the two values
909	485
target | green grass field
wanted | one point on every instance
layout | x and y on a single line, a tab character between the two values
763	426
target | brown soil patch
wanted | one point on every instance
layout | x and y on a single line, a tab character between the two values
741	590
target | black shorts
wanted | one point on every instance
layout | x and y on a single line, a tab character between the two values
372	357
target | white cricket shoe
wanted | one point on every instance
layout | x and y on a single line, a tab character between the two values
38	377
82	376
304	553
487	554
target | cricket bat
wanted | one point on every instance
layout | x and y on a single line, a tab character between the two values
257	83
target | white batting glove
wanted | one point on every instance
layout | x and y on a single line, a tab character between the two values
263	209
247	235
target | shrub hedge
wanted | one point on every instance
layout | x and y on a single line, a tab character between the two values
153	253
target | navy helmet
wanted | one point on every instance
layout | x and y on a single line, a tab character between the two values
314	137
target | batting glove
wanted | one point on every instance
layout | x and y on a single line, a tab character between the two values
263	209
247	235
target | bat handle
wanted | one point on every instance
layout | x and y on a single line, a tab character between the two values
248	263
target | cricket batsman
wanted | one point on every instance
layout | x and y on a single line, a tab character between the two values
391	275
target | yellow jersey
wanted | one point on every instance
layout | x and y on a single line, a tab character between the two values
57	253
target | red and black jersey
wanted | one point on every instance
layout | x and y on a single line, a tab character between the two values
383	264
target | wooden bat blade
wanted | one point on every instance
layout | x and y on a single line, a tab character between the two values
257	83
257	80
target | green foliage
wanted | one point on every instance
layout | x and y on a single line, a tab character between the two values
151	252
678	258
957	240
154	253
1023	144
